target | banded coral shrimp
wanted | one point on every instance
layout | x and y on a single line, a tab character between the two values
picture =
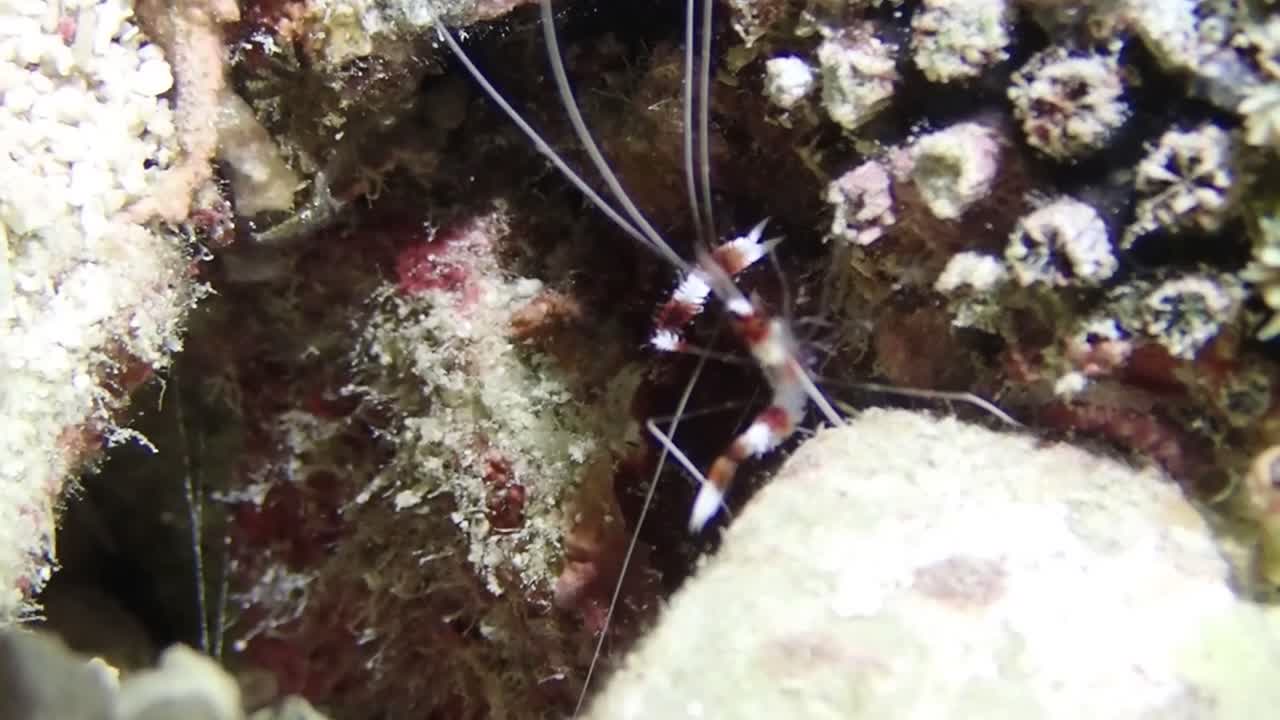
767	338
765	334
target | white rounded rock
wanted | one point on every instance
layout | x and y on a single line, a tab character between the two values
909	567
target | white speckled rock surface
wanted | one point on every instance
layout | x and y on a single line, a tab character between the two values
86	291
909	567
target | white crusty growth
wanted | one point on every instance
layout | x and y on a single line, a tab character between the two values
787	81
971	270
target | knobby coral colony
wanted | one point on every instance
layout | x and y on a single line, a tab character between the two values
436	360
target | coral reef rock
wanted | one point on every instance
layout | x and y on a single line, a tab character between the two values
90	299
905	566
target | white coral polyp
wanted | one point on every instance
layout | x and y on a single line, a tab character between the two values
862	201
955	167
1068	105
858	75
1185	181
1062	243
959	39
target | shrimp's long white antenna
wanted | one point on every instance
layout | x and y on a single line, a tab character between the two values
589	143
543	147
690	176
815	394
704	114
967	398
668	448
698	180
193	492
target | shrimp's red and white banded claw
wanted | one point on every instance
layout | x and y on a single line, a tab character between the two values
690	296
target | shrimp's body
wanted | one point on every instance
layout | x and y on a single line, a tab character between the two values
770	343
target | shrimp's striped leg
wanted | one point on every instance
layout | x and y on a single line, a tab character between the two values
770	428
